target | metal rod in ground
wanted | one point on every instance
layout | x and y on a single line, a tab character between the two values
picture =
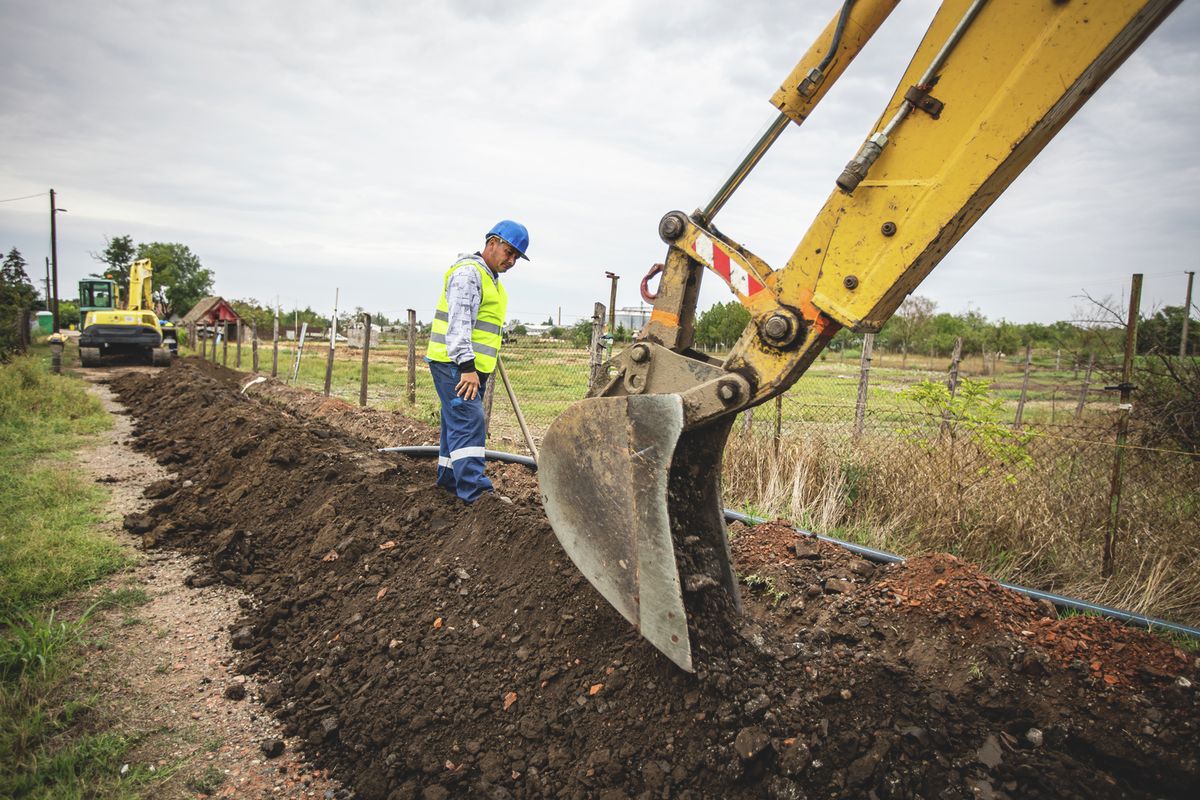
1024	385
362	389
299	352
275	349
864	373
412	357
254	346
512	398
204	348
237	356
332	340
225	347
1124	411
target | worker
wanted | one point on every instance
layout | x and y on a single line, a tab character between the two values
464	345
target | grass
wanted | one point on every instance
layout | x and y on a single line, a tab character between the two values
50	747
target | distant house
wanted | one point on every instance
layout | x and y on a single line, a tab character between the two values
210	313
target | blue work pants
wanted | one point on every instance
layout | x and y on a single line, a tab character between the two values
460	453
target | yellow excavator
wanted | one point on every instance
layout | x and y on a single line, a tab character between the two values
132	331
639	509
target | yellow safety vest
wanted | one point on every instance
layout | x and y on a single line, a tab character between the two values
485	335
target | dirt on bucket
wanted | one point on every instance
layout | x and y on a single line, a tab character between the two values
426	648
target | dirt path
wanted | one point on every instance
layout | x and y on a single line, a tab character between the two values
163	670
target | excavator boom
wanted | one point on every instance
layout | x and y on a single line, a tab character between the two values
989	86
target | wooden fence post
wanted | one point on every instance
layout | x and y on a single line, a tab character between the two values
275	349
778	439
332	341
596	375
412	357
955	359
203	348
1083	391
1024	385
254	346
860	407
951	382
237	358
362	389
1124	410
225	347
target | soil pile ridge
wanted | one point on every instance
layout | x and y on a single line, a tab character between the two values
423	648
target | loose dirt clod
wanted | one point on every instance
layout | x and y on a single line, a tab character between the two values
841	679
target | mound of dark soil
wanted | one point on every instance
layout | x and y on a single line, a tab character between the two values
424	648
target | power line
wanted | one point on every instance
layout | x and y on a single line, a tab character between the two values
26	197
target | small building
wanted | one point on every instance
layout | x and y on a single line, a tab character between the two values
211	313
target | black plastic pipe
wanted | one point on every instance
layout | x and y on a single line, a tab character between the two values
878	556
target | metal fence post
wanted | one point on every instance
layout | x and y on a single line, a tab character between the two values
860	407
254	346
275	348
225	347
237	357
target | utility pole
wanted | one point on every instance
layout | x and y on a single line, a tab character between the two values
1187	312
54	257
612	303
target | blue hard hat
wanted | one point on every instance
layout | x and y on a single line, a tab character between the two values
514	233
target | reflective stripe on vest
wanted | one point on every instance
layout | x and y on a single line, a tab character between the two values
485	334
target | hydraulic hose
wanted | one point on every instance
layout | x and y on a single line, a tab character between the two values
878	556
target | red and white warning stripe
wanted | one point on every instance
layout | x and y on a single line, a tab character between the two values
734	273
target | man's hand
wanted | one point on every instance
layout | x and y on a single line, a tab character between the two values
468	385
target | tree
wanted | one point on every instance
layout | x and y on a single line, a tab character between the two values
721	325
910	326
116	258
580	334
16	296
179	278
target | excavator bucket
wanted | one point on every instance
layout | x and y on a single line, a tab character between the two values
622	483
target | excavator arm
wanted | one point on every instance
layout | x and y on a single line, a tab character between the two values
989	86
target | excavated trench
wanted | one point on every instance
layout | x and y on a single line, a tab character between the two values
424	648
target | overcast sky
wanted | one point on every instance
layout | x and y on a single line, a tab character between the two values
301	146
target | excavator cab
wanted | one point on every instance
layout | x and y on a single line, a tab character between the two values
638	508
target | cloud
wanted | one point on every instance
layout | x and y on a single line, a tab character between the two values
301	146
